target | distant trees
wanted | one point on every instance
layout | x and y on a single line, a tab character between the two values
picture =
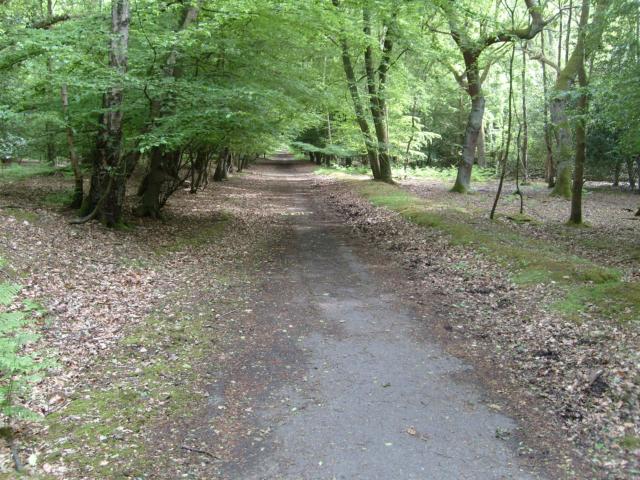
211	84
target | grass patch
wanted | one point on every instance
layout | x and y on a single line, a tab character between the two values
589	286
614	299
59	199
20	171
630	442
20	214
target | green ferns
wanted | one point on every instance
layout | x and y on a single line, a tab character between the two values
19	369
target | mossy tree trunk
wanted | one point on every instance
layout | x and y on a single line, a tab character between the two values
564	83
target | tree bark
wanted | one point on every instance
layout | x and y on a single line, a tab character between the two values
78	193
581	127
631	174
106	196
474	123
471	51
221	167
524	152
549	166
481	156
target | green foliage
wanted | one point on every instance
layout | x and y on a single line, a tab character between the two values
19	369
430	173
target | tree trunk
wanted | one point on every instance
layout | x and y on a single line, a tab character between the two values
549	166
563	144
163	162
78	192
221	168
377	101
616	174
471	50
566	77
509	123
581	127
631	173
151	187
524	154
481	156
352	83
474	125
106	197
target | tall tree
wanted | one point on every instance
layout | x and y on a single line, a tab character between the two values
163	175
471	50
361	118
108	179
581	125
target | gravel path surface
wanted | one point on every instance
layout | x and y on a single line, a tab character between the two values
354	389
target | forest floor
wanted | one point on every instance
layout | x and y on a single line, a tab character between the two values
281	325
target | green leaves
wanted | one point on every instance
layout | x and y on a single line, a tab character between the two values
19	369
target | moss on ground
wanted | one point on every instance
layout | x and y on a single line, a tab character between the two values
58	199
200	236
431	173
149	378
588	286
104	431
20	214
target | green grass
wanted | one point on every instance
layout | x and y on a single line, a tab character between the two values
630	442
59	199
587	286
20	214
16	171
432	173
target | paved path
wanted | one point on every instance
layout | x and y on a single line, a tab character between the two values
363	395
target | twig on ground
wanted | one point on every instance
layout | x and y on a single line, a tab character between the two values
202	452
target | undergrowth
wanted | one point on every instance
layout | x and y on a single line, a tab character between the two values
444	174
20	171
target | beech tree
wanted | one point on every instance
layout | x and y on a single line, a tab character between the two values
106	197
471	48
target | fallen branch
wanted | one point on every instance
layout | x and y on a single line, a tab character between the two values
202	452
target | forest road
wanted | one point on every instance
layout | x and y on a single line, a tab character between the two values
352	390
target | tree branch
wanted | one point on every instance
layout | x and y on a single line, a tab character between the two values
535	27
